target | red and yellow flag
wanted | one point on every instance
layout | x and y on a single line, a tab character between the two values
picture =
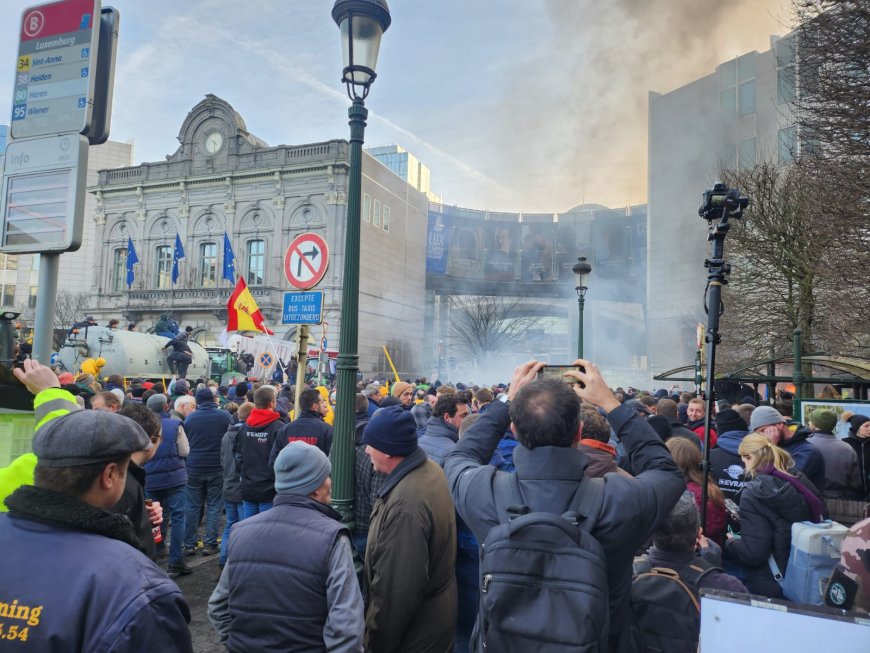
243	314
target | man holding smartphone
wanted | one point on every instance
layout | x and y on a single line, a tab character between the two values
545	417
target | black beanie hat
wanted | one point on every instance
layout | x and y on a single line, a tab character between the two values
855	423
392	431
729	420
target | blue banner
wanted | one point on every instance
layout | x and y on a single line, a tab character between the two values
437	243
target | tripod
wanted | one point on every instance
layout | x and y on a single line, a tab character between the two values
720	204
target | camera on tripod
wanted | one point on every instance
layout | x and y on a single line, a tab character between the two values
722	202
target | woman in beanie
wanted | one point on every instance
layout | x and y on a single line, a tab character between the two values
859	440
777	496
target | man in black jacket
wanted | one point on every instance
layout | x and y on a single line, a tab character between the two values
549	472
308	426
254	445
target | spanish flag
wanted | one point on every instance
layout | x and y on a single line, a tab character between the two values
243	314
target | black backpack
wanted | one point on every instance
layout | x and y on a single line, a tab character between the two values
544	576
666	606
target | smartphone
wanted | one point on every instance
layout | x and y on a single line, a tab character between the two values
558	372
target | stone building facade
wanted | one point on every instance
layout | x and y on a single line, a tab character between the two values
222	179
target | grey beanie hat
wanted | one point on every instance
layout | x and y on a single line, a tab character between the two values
88	437
765	416
119	394
301	468
157	403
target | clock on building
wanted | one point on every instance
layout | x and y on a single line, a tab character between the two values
213	142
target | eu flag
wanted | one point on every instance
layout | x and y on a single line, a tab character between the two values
132	260
229	260
177	255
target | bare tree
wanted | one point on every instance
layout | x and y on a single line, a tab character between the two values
792	265
481	326
829	62
70	308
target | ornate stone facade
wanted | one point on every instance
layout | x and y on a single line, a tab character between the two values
224	179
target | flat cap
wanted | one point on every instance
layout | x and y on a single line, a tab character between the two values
87	437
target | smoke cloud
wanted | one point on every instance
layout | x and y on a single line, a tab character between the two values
576	114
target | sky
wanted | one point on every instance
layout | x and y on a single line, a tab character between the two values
514	105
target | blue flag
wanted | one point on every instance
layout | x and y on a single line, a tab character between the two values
177	255
132	260
229	260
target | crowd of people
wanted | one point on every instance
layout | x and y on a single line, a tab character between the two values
532	515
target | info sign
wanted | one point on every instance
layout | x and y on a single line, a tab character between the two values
302	308
43	194
55	69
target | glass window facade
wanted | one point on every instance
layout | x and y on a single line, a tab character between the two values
163	256
119	269
728	73
256	262
746	98
746	67
367	208
728	101
376	216
31	298
386	218
8	294
208	265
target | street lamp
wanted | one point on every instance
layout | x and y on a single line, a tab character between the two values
581	270
362	23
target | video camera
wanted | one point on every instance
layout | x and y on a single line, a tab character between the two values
722	202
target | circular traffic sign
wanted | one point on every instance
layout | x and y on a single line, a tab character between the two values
306	260
266	360
34	21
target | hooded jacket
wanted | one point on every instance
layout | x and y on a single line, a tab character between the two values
725	463
768	508
254	444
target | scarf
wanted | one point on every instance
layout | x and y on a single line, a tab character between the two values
813	501
64	511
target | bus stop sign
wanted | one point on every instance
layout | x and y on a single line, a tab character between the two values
56	68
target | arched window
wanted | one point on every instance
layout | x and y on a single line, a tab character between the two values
208	265
119	269
256	275
164	266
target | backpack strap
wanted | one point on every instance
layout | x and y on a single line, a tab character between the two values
774	569
695	571
586	505
508	499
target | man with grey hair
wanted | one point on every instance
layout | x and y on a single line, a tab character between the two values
678	547
183	407
70	566
373	394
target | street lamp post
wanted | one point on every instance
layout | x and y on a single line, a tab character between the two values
581	270
362	23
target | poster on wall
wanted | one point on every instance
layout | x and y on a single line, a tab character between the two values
839	408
